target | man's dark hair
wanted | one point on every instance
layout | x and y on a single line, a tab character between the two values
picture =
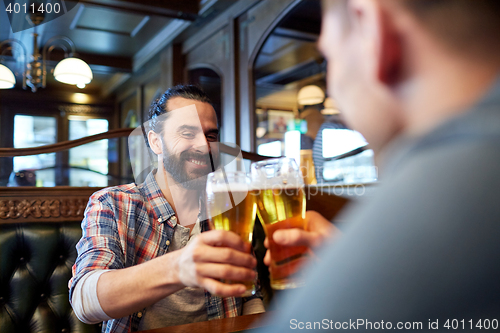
467	26
159	106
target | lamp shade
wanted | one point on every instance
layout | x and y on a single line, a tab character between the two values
73	71
330	107
7	78
310	95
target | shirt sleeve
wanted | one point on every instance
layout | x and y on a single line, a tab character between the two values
100	246
85	302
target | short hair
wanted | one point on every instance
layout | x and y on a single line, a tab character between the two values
159	106
471	26
467	26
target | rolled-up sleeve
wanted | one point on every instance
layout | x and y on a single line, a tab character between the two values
100	246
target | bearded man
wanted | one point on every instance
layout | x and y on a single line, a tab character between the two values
146	259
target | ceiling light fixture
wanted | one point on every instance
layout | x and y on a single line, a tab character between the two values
330	107
7	78
70	70
310	95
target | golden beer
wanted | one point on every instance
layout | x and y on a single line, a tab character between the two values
282	208
239	219
232	208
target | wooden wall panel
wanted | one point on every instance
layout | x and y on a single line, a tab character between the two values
216	53
39	204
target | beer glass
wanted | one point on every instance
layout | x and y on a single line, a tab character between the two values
230	207
281	204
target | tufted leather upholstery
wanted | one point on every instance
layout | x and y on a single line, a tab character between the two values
35	267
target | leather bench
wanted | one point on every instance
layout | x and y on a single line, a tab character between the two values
35	267
39	228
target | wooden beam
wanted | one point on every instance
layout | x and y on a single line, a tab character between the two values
237	9
185	10
156	44
295	34
54	98
113	83
100	63
185	6
171	66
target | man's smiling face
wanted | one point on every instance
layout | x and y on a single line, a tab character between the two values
187	133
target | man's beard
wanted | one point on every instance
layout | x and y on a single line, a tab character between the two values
175	165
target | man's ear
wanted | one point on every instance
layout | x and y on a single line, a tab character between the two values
389	62
155	142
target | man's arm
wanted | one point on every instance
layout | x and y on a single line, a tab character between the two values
211	256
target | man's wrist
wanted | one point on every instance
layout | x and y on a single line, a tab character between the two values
171	269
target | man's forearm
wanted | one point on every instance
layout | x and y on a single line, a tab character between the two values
125	291
210	257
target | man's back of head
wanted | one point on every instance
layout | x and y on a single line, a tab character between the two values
426	60
469	27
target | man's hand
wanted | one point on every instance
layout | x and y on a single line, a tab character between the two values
211	256
317	230
215	255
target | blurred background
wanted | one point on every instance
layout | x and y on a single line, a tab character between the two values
257	60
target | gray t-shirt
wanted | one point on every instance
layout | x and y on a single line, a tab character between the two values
184	306
424	247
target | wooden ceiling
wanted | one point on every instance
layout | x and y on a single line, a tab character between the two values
116	37
108	34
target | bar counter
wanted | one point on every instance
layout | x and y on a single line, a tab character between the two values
226	325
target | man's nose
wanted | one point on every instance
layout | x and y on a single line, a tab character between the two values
201	144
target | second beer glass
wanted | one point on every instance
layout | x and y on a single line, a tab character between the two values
281	204
231	207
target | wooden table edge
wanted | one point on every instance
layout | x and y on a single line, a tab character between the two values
225	325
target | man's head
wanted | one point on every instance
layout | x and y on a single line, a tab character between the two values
383	54
467	27
183	124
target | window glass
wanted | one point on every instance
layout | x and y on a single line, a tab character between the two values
341	141
35	170
88	163
356	169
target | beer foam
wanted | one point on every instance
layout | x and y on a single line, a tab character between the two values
276	186
231	187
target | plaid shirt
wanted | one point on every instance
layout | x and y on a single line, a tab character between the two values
127	225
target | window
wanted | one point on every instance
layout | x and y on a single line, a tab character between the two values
88	163
34	131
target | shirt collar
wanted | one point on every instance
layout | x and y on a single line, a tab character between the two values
152	192
162	209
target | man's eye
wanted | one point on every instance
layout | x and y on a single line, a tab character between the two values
188	134
212	138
